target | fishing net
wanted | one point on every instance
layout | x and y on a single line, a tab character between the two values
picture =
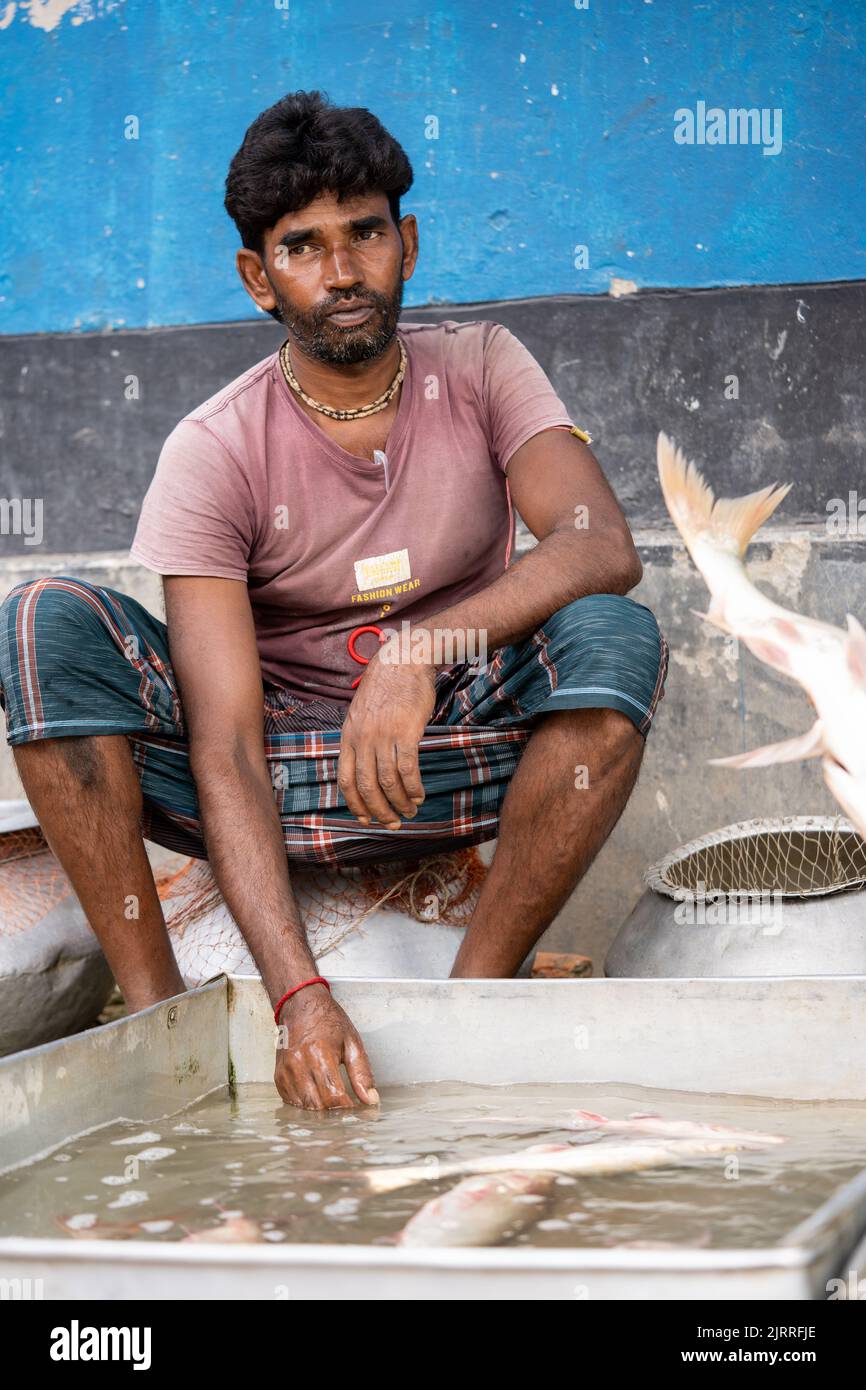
799	856
31	880
334	902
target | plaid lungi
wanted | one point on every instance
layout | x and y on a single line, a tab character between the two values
77	658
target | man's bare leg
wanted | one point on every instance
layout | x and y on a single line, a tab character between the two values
87	798
550	830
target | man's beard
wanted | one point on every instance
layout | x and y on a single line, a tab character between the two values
325	341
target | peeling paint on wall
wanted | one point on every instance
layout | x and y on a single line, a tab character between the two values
48	14
784	568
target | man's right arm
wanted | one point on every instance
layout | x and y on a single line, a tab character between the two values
215	660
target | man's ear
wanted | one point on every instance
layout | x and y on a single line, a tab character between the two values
408	229
254	280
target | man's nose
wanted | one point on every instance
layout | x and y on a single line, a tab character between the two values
341	272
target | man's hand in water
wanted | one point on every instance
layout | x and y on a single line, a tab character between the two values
315	1036
378	771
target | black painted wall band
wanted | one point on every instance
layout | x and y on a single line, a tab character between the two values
758	384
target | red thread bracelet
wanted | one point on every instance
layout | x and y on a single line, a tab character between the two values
316	980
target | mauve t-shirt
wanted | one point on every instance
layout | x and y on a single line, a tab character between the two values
248	487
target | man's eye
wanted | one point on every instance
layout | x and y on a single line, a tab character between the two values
369	232
304	246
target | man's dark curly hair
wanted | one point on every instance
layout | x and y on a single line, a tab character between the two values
301	147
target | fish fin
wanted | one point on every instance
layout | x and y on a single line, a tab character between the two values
381	1180
790	750
770	652
586	1119
715	618
855	650
687	497
694	508
850	794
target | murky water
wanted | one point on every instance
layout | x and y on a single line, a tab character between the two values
299	1174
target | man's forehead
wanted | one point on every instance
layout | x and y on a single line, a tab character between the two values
326	212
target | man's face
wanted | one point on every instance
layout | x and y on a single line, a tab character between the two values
334	272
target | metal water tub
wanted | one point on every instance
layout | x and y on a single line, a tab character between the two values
788	1038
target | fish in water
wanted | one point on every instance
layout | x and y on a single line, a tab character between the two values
86	1227
234	1229
670	1129
578	1160
829	663
480	1210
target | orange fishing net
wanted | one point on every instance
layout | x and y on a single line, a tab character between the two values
31	880
333	901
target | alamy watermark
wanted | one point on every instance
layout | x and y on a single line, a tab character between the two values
22	516
21	1290
846	516
77	1343
739	125
440	646
854	1288
698	908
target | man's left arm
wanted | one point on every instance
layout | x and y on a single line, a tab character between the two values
584	544
584	547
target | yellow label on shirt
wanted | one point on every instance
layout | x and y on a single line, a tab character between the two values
380	570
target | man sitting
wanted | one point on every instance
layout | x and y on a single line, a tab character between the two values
351	669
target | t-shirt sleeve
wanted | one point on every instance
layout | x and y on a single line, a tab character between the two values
518	398
197	515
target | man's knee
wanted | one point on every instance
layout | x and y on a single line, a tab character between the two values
606	736
48	627
57	605
604	640
596	615
57	592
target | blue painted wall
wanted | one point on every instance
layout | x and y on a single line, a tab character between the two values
556	129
